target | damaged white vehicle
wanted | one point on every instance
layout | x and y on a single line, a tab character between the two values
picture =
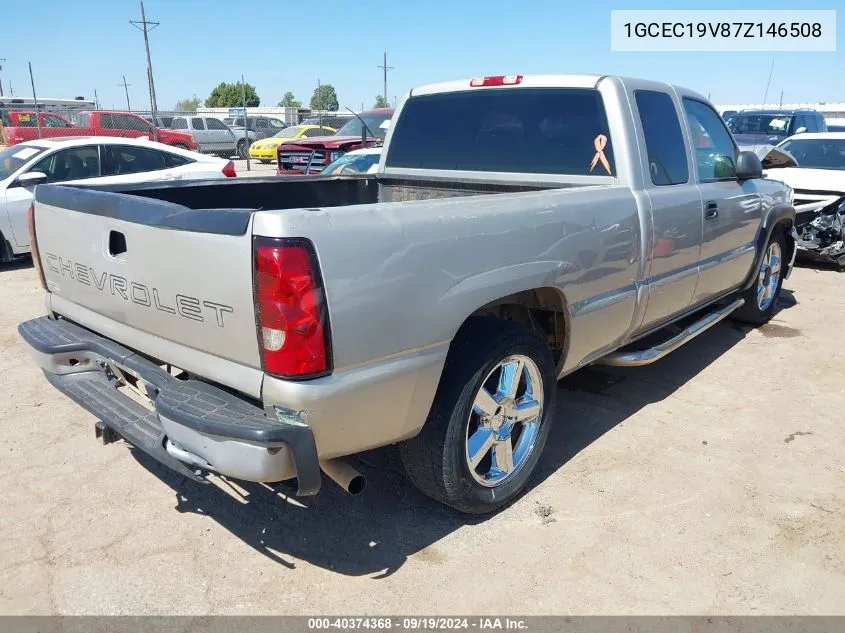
813	165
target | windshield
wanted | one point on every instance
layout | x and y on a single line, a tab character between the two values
817	153
765	124
352	164
288	132
15	157
373	121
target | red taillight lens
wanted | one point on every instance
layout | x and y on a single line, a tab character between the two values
33	245
290	309
501	80
229	170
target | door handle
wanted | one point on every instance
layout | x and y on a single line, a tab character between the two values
711	211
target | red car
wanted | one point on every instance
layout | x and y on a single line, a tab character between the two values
312	155
105	123
20	126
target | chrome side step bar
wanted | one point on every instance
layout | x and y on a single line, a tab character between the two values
637	358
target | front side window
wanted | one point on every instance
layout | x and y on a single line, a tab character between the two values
715	152
261	124
275	124
561	131
82	119
179	124
76	163
51	120
667	154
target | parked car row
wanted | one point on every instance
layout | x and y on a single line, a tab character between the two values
90	160
20	126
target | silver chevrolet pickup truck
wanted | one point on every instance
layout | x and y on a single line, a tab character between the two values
518	228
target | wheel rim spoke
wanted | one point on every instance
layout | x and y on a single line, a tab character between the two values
510	377
478	445
503	456
484	403
526	410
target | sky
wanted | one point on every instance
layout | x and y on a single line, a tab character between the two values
77	48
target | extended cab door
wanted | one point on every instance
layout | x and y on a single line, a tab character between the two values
675	242
732	209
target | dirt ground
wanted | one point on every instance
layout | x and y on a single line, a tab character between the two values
712	482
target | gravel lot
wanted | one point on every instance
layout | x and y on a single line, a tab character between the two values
710	482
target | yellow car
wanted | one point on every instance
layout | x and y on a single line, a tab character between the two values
265	149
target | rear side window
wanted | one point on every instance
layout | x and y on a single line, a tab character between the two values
174	160
664	141
523	130
81	120
196	123
125	159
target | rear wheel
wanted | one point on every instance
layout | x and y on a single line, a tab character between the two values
761	298
243	148
489	421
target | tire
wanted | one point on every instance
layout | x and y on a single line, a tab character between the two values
762	297
264	162
243	149
437	460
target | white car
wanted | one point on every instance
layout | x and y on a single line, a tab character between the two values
358	161
818	184
92	160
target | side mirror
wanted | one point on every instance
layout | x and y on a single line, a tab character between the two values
32	178
800	130
748	166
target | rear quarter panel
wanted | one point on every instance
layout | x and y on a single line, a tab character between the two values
400	277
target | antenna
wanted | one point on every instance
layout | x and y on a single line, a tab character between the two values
385	68
3	59
126	90
766	96
146	26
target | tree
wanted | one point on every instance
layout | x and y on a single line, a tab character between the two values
289	101
231	96
381	102
324	98
188	105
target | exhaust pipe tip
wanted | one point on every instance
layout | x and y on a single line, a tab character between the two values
344	475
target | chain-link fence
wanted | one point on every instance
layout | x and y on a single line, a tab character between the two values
221	131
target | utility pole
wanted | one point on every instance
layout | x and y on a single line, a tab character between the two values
385	68
246	123
126	90
146	26
35	101
3	59
96	100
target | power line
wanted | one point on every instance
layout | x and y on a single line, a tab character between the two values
385	68
146	26
126	90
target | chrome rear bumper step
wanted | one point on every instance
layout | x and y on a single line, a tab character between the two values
636	358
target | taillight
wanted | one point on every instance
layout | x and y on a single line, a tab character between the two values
229	170
501	80
33	245
290	309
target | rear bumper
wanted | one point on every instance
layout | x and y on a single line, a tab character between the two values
190	424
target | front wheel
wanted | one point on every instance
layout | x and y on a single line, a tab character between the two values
761	298
489	421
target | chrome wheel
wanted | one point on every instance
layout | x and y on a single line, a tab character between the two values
769	276
505	420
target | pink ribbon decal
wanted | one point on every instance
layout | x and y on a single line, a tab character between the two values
600	143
